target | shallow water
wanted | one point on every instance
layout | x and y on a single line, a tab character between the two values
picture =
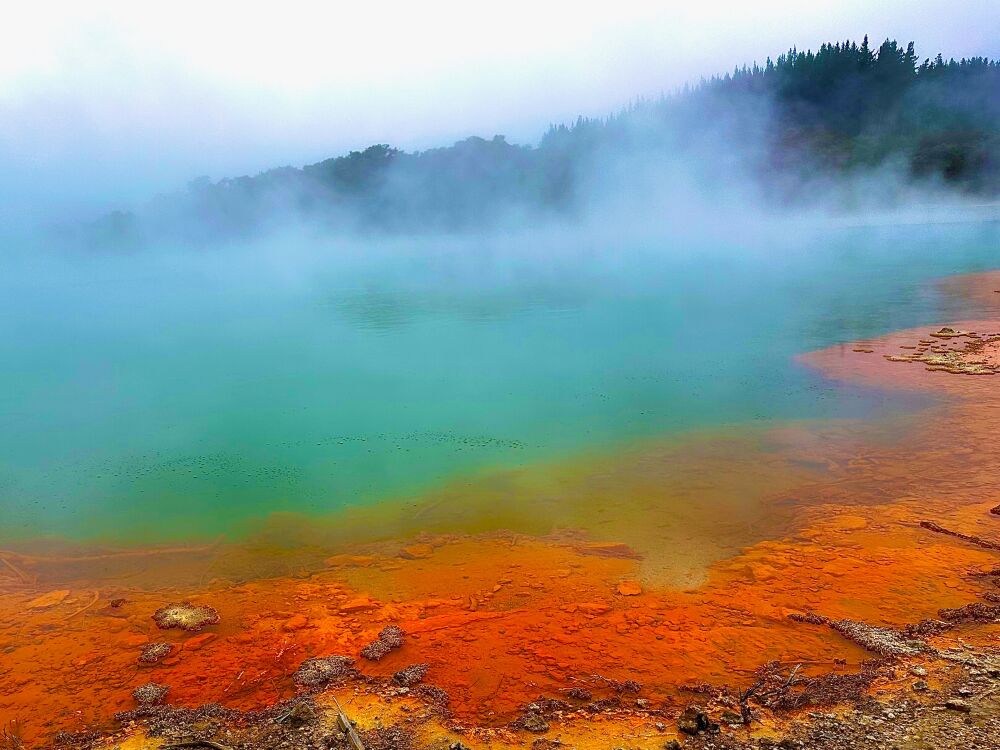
179	394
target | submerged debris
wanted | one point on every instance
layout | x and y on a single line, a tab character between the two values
153	652
319	671
186	616
150	694
985	543
780	689
607	549
879	640
991	573
389	639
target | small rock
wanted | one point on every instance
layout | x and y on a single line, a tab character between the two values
629	588
321	670
920	686
153	652
693	720
533	723
294	623
185	616
416	552
359	604
150	694
389	639
958	705
411	675
301	713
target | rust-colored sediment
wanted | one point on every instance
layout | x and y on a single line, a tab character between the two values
672	566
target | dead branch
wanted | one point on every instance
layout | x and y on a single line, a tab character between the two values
978	541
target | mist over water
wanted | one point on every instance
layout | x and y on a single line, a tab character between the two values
183	392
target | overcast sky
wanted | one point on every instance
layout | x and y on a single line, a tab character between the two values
109	102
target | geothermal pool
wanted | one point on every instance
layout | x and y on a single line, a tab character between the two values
185	394
554	462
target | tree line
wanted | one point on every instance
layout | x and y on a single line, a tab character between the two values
841	110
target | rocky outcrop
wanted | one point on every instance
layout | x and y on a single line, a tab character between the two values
320	671
185	616
389	639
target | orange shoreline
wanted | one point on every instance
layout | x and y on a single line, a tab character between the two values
504	617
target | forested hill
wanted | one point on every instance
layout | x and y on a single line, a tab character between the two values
842	111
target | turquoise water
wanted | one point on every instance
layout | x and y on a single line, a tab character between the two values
180	393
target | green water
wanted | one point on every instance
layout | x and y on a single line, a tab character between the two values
180	393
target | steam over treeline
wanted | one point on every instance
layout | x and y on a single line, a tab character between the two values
786	133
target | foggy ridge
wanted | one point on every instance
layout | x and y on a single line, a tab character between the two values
846	126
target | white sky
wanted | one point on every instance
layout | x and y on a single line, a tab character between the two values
102	102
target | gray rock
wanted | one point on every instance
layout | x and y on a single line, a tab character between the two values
150	694
693	720
321	670
534	723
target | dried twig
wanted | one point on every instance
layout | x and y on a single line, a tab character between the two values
122	553
791	676
97	595
17	571
10	736
979	541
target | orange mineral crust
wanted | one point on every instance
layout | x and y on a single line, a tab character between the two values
661	572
